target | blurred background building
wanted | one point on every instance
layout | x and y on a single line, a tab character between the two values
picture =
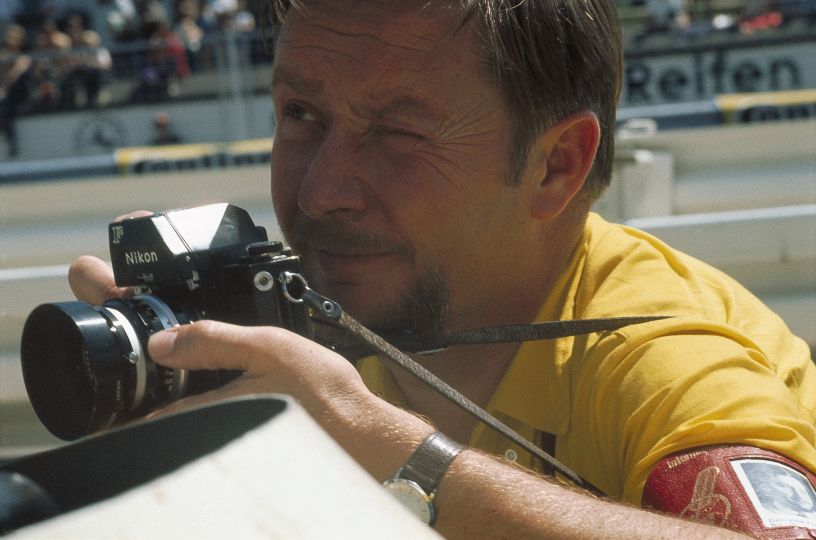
111	105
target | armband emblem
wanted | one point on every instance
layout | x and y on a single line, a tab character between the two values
707	505
749	489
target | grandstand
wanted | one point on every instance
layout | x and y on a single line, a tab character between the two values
99	75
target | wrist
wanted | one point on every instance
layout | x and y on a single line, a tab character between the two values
378	435
416	483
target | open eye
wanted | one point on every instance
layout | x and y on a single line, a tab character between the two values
297	121
296	111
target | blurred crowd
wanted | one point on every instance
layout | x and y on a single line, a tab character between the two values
677	22
49	68
73	54
177	43
55	55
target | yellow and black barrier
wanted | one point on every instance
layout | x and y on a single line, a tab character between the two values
767	106
188	157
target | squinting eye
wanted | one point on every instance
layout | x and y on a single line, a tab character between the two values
399	133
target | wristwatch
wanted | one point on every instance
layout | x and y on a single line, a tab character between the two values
415	484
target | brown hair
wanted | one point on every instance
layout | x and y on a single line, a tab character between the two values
551	59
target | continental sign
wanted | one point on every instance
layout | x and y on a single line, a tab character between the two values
702	73
767	106
186	157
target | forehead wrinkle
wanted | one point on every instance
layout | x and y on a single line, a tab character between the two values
301	82
368	36
283	74
404	97
399	103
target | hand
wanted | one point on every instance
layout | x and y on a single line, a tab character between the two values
91	279
272	359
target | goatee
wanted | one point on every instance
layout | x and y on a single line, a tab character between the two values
422	308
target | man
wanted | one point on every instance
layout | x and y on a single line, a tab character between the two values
434	166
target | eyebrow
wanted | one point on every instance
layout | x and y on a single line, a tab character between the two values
297	82
405	104
390	102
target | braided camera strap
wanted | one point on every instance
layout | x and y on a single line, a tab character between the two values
327	310
407	363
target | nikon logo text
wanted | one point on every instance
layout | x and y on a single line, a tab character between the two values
141	257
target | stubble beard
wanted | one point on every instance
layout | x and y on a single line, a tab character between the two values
421	308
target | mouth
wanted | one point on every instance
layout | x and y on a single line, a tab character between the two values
343	254
348	267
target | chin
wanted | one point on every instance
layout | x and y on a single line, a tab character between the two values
364	303
420	306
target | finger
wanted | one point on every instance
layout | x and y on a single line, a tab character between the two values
92	281
134	215
210	344
206	345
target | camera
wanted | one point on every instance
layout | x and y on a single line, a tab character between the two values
86	367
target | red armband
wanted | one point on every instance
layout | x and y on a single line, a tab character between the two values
738	487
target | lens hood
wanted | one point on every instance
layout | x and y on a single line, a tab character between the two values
72	358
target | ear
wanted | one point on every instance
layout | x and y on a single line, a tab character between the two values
564	155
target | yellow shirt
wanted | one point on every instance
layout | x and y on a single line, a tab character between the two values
723	369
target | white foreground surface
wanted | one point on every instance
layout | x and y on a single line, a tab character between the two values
284	479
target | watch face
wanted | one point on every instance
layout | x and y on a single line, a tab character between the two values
412	496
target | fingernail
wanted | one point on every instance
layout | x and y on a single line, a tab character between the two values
161	343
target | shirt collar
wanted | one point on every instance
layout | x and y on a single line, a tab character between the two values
535	390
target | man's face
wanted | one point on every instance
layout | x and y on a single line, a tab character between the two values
389	163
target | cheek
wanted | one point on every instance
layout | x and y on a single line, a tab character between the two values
433	202
410	188
287	170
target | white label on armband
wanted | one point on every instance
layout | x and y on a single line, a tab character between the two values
782	496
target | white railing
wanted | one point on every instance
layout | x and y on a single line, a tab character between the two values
740	197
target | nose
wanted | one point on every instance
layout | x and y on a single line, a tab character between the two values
333	184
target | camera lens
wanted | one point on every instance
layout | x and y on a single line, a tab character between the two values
87	367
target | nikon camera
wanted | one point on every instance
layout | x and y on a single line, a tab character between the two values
86	367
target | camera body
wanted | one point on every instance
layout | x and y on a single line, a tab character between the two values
87	367
211	262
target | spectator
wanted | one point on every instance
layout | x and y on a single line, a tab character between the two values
123	21
134	20
54	9
50	37
665	16
163	132
88	60
236	24
233	15
164	66
206	16
50	63
760	15
191	34
14	73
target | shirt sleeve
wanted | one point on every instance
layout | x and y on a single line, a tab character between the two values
653	395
